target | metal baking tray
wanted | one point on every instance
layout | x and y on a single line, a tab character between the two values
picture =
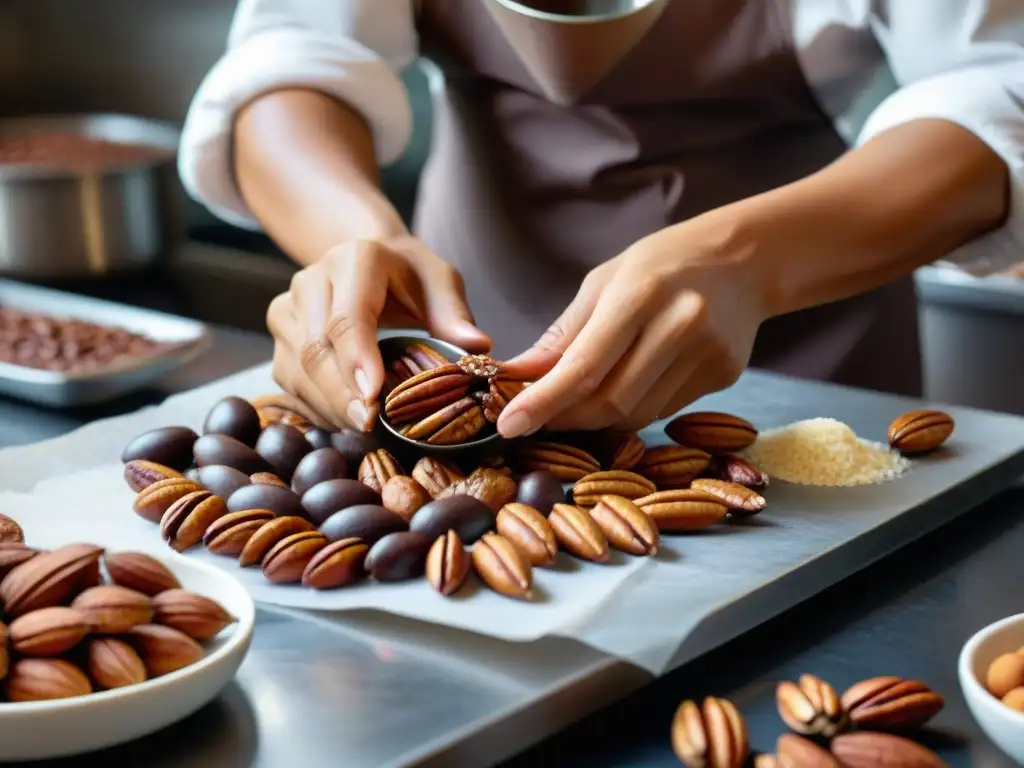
1000	294
61	390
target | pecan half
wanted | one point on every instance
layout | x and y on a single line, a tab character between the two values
448	564
566	462
488	485
891	704
377	467
713	735
741	501
435	475
811	707
712	431
683	510
672	466
629	485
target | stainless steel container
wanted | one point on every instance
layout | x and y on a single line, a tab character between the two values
62	224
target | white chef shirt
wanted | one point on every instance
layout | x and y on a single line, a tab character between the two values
959	60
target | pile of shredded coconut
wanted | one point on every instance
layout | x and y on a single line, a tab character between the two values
824	452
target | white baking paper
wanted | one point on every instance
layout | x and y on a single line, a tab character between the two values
641	610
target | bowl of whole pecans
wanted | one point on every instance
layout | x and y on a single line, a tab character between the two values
98	647
991	671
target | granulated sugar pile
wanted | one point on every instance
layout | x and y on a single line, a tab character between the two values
824	452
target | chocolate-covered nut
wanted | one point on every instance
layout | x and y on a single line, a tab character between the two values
324	499
221	449
235	418
283	502
170	446
318	438
353	445
221	480
398	556
369	522
467	516
317	467
283	446
540	490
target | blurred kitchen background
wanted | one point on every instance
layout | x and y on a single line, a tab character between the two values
147	57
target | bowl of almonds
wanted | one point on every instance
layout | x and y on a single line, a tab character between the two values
991	671
98	647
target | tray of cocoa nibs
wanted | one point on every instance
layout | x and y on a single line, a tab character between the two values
60	349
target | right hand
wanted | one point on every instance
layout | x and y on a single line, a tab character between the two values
325	326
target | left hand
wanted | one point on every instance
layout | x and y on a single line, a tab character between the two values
672	318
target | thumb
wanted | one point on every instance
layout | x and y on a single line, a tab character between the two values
448	314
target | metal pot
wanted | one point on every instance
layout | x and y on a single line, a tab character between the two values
66	223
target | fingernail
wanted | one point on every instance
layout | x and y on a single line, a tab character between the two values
357	413
363	382
515	425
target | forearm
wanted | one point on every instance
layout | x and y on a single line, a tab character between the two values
902	200
305	166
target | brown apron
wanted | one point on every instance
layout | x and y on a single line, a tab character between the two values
538	175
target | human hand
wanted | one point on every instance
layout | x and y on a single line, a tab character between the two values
325	326
672	318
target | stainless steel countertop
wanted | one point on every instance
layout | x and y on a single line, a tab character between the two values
302	697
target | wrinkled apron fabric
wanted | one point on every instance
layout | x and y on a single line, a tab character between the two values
540	171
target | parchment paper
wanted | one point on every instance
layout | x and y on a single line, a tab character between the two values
638	609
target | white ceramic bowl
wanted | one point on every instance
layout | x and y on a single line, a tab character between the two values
1003	725
45	729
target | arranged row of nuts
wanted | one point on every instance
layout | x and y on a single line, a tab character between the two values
262	491
75	627
881	712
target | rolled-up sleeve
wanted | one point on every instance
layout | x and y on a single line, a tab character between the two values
962	61
352	51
